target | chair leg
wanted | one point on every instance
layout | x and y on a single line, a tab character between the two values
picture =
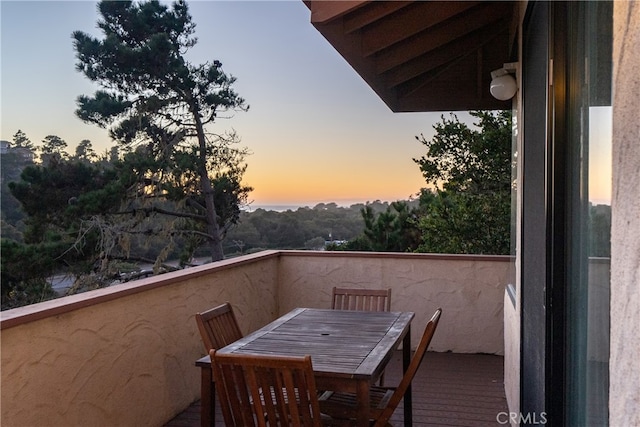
213	406
208	399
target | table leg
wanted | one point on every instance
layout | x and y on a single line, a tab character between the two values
363	404
406	359
207	398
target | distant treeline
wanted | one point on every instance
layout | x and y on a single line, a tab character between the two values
303	228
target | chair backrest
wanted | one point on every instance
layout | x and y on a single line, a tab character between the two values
266	390
411	370
218	327
361	299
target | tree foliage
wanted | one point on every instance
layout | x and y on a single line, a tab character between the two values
88	218
168	188
465	223
20	285
465	207
157	106
472	160
21	140
12	162
324	225
53	144
85	151
470	172
390	230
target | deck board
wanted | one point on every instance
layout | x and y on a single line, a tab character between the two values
450	389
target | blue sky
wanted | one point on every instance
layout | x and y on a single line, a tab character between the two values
316	130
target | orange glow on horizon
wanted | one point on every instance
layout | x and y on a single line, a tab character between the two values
313	186
287	195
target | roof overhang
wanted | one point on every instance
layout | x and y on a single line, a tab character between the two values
422	55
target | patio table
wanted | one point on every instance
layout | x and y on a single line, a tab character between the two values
349	351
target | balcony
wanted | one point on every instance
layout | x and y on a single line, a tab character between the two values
125	355
449	389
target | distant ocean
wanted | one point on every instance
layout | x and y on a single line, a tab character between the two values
277	208
283	208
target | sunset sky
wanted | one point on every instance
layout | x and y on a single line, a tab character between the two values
316	131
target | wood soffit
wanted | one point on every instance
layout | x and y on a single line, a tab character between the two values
422	55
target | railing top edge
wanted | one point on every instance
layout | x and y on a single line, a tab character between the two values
29	313
355	254
26	314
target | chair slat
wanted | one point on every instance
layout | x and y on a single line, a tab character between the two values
282	390
218	327
361	299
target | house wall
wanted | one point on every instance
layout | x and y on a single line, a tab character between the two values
624	369
468	288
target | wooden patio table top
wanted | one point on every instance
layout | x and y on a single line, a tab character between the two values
349	349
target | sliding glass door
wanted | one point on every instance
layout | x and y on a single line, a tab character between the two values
587	301
566	191
580	194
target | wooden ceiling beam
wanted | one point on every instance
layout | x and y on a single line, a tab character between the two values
415	18
447	102
465	70
448	49
441	56
373	12
438	36
325	11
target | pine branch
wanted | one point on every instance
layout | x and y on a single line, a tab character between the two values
151	210
145	260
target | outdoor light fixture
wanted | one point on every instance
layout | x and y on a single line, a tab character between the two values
503	84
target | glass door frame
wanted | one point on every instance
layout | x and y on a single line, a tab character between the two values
554	264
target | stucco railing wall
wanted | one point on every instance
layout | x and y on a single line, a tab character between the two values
468	288
124	355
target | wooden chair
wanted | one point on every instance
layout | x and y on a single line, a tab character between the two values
218	327
383	400
361	299
266	390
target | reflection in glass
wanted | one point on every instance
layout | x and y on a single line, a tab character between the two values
589	268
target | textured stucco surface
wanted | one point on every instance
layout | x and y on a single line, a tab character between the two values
126	362
624	391
470	293
129	360
511	355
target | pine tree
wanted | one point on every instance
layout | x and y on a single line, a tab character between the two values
151	95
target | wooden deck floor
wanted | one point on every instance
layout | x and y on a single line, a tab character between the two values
450	389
